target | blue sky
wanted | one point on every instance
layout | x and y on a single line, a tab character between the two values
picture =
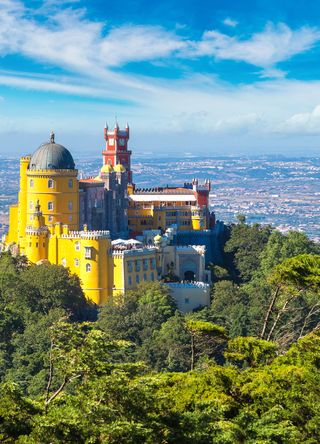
211	77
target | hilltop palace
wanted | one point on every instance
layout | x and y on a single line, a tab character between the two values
110	233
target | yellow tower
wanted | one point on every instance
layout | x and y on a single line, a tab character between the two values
48	180
36	238
51	178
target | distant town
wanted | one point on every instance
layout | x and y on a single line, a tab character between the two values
280	191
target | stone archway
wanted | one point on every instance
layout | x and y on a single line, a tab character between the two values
188	269
189	275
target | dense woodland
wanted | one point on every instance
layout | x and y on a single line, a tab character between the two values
245	370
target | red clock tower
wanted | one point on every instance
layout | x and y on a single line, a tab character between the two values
116	151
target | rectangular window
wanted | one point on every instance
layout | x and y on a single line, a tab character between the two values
77	246
31	205
138	265
50	183
70	183
50	206
130	266
70	205
186	300
87	252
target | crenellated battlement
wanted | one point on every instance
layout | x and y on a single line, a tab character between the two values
199	248
133	251
98	234
46	173
188	284
36	231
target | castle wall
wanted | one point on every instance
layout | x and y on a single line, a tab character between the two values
190	295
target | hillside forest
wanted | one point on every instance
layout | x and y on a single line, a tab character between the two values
244	370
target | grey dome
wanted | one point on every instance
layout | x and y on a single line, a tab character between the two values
51	156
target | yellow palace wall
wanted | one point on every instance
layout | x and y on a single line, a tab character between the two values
131	267
89	256
155	217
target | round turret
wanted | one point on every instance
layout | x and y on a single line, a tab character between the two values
106	169
119	168
51	156
157	239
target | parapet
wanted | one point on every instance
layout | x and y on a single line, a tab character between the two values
133	251
97	234
189	284
36	231
198	248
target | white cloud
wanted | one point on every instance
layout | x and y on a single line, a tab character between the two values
238	123
90	52
43	84
230	22
138	43
308	123
69	40
265	49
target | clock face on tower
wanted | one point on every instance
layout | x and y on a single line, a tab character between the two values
111	142
122	142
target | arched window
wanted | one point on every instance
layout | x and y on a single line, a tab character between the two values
88	268
70	205
76	262
31	183
77	246
31	205
50	183
64	262
70	183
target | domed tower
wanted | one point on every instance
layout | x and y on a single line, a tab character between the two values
52	182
